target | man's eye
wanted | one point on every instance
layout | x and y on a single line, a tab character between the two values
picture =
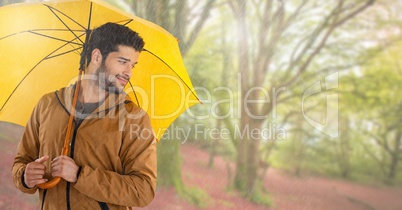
122	62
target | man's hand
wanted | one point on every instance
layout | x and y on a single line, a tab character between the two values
65	167
35	171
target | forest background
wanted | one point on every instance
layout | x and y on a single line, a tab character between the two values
310	88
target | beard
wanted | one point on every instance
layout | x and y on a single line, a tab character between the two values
107	81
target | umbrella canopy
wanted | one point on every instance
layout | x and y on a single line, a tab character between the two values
40	52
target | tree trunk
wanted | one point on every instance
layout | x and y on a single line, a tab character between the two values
253	159
173	18
169	164
395	156
180	26
241	174
224	83
213	145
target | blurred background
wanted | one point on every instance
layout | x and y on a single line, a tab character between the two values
301	104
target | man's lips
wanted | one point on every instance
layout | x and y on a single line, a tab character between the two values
122	79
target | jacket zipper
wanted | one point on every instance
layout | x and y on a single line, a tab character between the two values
102	205
43	199
72	157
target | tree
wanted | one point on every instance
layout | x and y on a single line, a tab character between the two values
176	16
5	2
378	96
279	47
346	155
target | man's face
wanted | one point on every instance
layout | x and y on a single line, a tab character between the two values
115	72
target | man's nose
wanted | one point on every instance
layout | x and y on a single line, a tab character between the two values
128	71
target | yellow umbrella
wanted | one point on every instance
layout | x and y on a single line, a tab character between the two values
40	52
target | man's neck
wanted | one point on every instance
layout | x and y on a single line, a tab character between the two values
91	92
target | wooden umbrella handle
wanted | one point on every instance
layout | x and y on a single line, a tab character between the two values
65	149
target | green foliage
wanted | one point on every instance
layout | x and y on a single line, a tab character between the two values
367	147
259	196
377	97
120	4
262	198
5	2
169	173
169	163
195	196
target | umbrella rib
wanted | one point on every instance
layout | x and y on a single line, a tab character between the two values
30	71
128	21
89	17
54	38
62	53
52	10
30	31
173	72
67	42
60	29
138	103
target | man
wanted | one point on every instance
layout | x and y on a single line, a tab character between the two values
109	166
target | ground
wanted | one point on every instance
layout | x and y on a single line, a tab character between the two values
287	192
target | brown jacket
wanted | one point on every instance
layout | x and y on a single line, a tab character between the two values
114	147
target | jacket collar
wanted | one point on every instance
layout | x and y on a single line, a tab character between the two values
65	97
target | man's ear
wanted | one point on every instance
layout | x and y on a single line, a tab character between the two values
96	56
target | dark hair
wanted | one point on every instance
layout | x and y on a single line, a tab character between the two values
109	36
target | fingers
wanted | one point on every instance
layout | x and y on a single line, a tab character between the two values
42	159
35	171
32	183
37	166
61	162
64	167
35	177
62	157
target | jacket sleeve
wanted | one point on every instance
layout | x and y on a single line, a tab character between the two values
136	185
27	151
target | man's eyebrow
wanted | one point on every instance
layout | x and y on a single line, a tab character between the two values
125	59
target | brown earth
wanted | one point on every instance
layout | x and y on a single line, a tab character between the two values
287	192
